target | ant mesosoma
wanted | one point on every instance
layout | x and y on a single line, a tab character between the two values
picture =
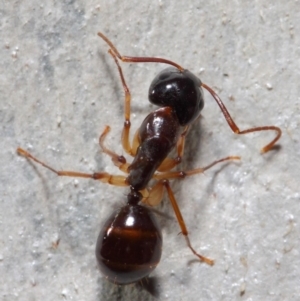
129	245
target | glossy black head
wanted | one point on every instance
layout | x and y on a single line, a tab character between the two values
180	90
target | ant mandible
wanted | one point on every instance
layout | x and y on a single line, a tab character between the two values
129	245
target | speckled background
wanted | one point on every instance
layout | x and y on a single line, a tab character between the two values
59	88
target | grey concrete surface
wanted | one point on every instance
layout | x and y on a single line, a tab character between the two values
59	88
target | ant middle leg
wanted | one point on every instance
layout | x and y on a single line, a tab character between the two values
182	174
101	176
155	193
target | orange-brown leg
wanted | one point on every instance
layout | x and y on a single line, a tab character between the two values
119	161
101	176
181	223
126	130
235	128
226	114
170	163
131	150
183	174
155	194
154	198
135	143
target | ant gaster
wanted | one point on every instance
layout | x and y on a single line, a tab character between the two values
129	245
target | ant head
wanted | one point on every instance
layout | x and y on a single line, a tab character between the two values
180	90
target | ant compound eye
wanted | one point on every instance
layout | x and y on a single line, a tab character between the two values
181	90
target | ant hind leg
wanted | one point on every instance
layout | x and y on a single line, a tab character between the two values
182	223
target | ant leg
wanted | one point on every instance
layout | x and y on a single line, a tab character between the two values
170	163
101	176
183	174
118	161
116	55
135	143
155	194
134	59
154	198
235	128
126	130
182	223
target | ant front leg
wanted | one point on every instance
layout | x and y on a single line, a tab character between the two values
118	161
101	176
170	163
235	128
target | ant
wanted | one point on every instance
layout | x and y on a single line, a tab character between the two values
129	245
